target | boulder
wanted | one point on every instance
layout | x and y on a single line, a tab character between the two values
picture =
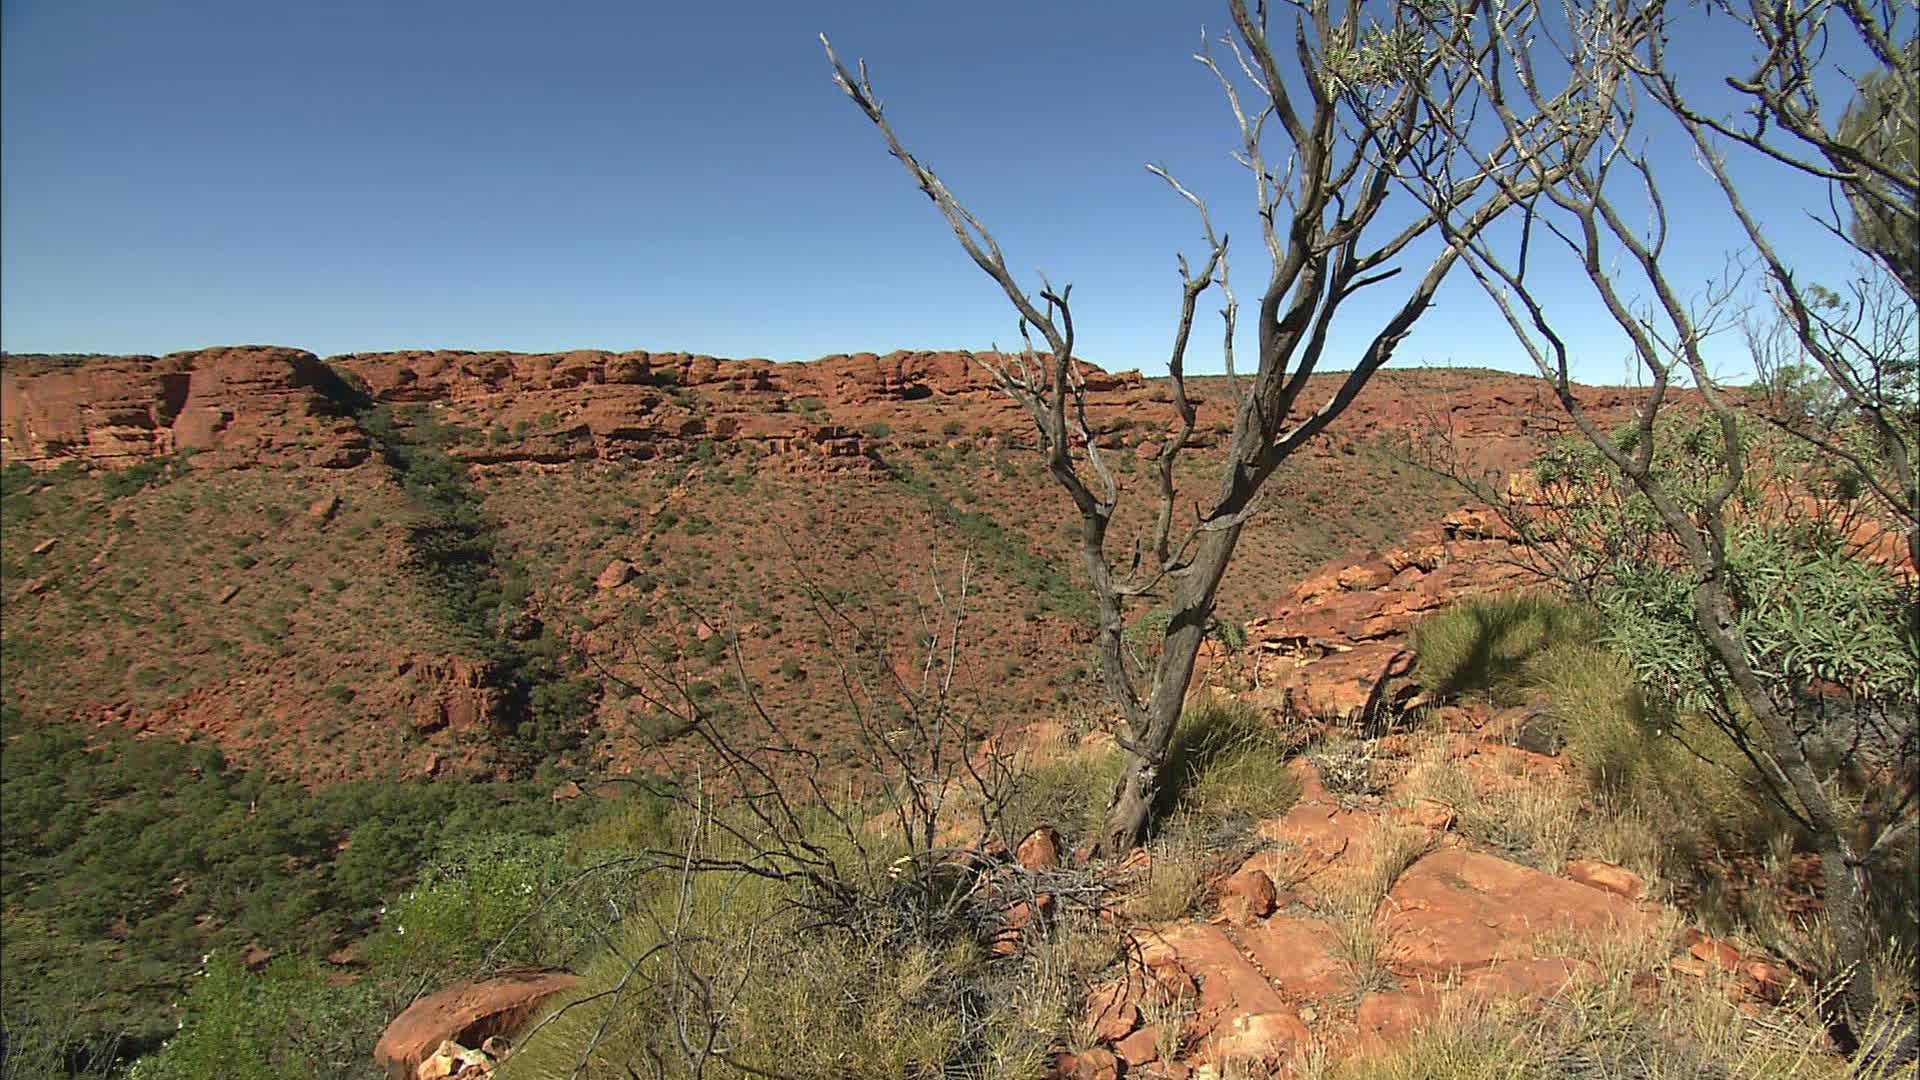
1458	911
1113	1011
1267	1038
1366	575
1248	896
1097	1063
1608	878
467	1014
617	573
1140	1047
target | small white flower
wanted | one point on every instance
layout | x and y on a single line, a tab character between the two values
400	930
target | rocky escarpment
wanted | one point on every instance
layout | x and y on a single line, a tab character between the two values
273	405
251	405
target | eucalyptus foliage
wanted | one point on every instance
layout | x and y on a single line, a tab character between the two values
1814	613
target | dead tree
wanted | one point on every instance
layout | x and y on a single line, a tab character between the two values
1802	761
1349	98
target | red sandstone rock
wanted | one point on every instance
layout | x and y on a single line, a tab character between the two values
1113	1010
1139	1048
1295	953
235	404
1429	814
1268	1038
1096	1063
1228	983
1040	850
1367	575
1608	877
617	573
1713	951
1457	911
1247	896
468	1014
1394	1016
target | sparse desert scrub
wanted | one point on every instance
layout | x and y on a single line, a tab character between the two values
1067	792
1672	795
1174	881
1628	1017
1348	766
1227	769
1662	791
741	969
1639	756
1536	821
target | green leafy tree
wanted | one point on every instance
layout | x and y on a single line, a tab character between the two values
1882	127
1728	600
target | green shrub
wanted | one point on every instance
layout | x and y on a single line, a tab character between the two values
795	998
120	483
288	1021
496	900
1069	793
1640	758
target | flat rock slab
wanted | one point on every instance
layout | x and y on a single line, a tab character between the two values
1457	911
1293	952
1229	983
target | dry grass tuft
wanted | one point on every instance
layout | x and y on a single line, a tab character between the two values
1351	902
1226	769
1175	880
1538	822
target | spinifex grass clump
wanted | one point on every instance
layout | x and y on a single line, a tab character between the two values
1483	646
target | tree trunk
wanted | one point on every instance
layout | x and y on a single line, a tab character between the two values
1845	903
1130	813
1131	809
1843	892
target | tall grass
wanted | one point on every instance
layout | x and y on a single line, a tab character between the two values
1643	762
1614	1024
1226	768
726	972
1483	645
1069	793
1664	790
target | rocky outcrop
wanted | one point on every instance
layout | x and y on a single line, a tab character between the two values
1339	645
237	405
270	404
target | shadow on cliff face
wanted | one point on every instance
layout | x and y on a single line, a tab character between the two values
479	591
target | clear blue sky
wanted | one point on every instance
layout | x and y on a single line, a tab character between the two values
359	175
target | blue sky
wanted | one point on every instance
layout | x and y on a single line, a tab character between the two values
359	175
